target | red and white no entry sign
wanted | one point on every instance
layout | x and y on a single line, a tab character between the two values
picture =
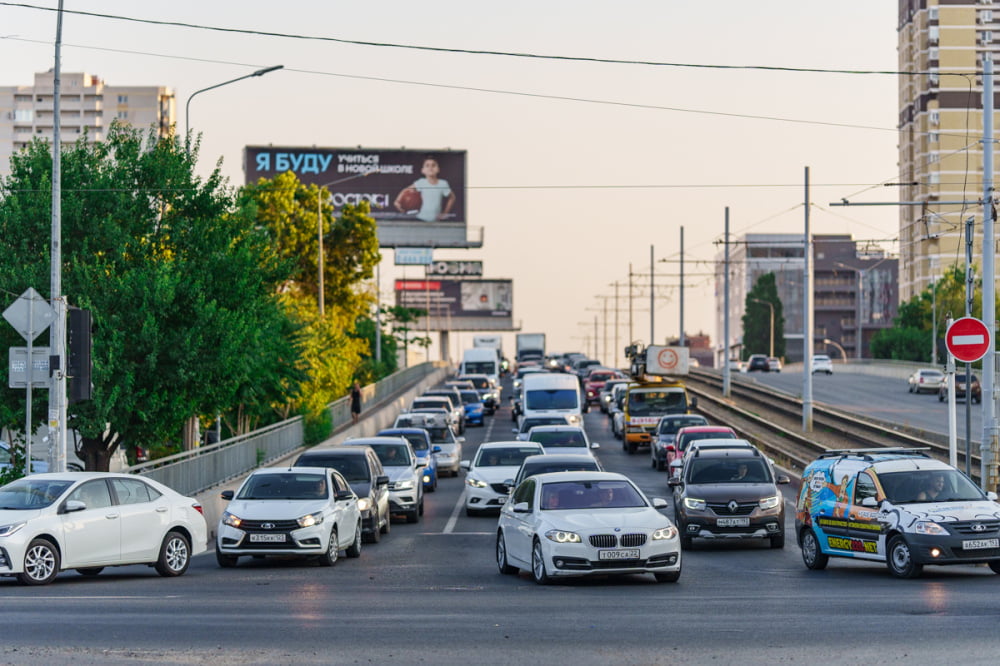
968	339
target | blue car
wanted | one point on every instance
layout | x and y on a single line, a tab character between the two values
475	410
420	440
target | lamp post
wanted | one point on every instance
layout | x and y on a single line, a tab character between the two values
770	305
843	354
187	106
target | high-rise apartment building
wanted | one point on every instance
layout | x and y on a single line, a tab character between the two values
940	132
87	104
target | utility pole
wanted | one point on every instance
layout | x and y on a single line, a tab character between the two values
807	320
57	333
681	337
617	348
988	450
725	314
652	298
631	336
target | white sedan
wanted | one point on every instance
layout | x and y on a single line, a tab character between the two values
290	511
91	520
585	523
495	465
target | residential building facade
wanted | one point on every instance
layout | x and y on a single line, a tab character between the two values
87	105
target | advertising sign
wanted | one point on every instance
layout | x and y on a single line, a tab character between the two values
666	360
414	256
451	269
417	197
457	298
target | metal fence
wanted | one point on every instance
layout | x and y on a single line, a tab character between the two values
193	471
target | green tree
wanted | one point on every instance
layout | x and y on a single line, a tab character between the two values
370	370
401	319
180	281
757	319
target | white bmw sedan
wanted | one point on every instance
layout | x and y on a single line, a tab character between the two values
91	520
585	523
290	511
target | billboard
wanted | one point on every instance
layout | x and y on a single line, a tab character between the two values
444	299
417	197
454	269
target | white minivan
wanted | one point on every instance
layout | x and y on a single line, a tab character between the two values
481	361
552	394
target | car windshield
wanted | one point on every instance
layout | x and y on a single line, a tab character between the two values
728	470
558	438
694	436
352	467
929	486
31	494
551	399
285	486
440	435
545	468
481	367
392	455
480	383
507	456
590	495
528	424
417	440
670	426
960	377
470	397
656	402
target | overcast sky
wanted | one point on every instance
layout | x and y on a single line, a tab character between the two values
575	167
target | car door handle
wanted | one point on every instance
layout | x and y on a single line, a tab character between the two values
161	509
111	516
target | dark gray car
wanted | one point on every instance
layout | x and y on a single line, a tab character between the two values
364	473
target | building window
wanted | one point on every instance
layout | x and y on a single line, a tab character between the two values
932	13
934	53
933	34
123	99
985	37
932	137
935	117
122	115
986	16
24	115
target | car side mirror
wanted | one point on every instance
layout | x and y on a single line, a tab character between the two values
382	480
227	494
659	503
421	463
783	478
992	496
521	507
459	439
694	401
514	430
595	445
465	464
436	449
869	502
671	448
72	506
344	495
674	481
509	483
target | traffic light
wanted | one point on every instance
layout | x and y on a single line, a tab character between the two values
80	344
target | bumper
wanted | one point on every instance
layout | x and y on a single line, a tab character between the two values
764	525
567	560
402	501
483	498
640	438
950	550
303	542
450	463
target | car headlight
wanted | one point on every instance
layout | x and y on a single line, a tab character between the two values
573	419
403	485
665	533
563	537
231	520
7	530
694	504
929	527
769	502
311	519
475	483
364	503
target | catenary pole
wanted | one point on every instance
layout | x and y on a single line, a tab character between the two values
807	320
57	334
725	311
682	288
988	450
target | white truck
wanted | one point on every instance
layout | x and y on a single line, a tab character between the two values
530	346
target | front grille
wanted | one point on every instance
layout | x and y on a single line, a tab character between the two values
288	544
603	540
742	508
499	488
269	525
976	554
618	564
633	540
964	527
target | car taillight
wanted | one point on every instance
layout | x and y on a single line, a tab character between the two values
921	380
197	507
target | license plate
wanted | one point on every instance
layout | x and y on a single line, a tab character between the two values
501	500
267	538
626	554
733	522
973	544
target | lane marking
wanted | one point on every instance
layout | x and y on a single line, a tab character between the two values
450	525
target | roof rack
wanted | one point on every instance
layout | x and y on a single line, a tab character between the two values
867	454
745	450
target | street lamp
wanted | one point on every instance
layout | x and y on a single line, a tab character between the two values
187	107
843	354
770	305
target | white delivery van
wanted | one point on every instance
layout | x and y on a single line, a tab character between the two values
481	361
552	394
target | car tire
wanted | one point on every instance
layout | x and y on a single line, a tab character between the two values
667	576
778	541
354	550
538	573
661	465
420	508
812	555
940	397
41	563
501	552
374	534
899	559
687	543
225	561
175	555
472	513
413	516
995	566
332	554
652	463
977	400
431	488
388	524
90	572
632	448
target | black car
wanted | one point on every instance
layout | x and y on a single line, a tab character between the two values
729	493
364	473
555	462
960	381
758	363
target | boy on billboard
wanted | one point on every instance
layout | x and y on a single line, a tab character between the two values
431	194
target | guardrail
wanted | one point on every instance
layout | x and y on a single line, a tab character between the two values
191	472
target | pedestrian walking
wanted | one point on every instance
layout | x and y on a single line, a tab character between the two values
355	402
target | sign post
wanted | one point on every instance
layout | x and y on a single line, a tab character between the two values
967	339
